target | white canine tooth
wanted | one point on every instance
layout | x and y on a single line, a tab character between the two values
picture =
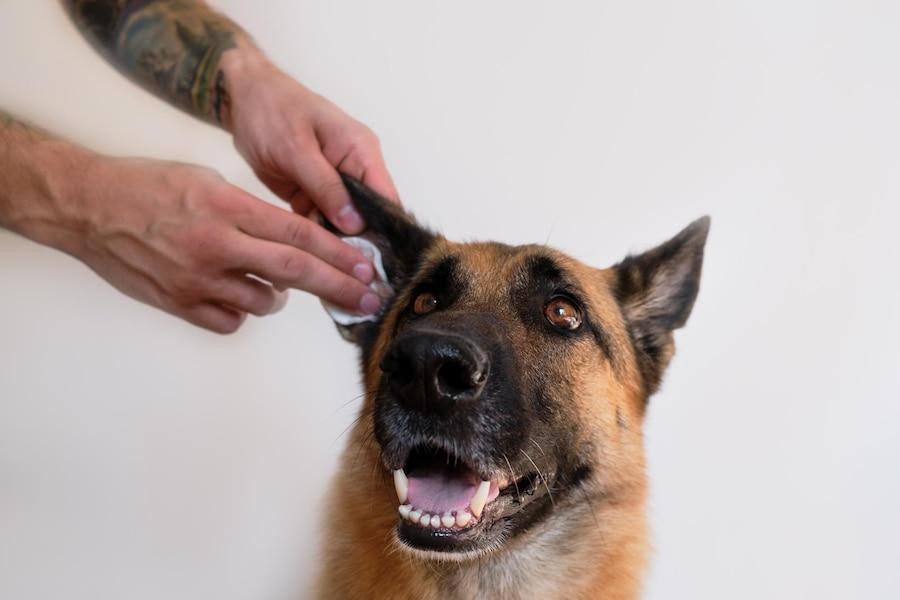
463	518
435	521
480	498
425	521
401	484
414	515
448	520
404	510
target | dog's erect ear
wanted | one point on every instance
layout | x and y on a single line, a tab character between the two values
656	291
396	233
401	241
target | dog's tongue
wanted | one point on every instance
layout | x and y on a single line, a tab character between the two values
439	489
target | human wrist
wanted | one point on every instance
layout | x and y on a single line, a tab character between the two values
241	68
46	200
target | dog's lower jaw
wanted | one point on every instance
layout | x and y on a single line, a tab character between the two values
577	551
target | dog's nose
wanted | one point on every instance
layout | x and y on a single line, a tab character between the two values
435	371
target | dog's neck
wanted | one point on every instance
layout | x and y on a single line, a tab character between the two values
572	556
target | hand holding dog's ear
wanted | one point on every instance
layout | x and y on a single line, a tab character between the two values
400	238
295	141
657	290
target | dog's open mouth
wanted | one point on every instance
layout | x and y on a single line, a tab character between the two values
444	503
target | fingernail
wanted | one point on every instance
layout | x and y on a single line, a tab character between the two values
349	219
370	303
363	271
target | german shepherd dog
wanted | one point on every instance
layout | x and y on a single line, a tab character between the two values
499	451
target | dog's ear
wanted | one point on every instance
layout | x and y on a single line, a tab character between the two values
396	233
399	238
656	290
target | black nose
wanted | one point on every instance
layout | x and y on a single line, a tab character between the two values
435	371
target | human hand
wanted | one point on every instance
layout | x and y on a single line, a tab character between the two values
296	141
181	238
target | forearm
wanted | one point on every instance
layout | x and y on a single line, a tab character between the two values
39	177
173	48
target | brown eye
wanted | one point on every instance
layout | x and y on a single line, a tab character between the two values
424	303
562	313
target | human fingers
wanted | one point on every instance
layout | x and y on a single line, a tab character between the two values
288	267
213	317
267	222
249	295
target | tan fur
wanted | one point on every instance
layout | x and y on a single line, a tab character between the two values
592	544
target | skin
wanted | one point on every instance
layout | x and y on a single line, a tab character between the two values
178	236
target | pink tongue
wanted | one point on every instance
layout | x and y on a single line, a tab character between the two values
439	490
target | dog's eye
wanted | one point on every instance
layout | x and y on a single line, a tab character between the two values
563	313
424	303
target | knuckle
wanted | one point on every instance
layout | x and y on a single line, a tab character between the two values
201	195
330	191
346	292
364	138
298	232
202	245
184	290
371	137
295	267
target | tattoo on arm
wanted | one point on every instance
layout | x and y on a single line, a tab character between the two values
172	47
10	123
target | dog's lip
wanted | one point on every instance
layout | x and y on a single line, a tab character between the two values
452	501
477	535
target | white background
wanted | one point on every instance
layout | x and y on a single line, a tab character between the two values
141	458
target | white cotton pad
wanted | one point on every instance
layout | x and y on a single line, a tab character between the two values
379	284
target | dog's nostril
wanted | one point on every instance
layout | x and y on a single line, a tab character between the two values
453	378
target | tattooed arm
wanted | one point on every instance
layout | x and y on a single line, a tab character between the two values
172	235
202	62
173	48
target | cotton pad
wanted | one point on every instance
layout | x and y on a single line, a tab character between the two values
379	284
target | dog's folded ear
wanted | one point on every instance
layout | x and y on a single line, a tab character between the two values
399	238
657	290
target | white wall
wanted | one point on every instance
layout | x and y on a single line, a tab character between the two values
143	459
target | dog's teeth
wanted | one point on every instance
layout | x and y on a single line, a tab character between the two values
480	497
401	484
463	518
424	519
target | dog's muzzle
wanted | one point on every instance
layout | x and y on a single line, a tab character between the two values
433	371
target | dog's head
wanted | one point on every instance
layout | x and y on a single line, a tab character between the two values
508	384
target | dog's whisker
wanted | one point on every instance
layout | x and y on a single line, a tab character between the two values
541	475
365	444
348	402
544	454
362	414
513	477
